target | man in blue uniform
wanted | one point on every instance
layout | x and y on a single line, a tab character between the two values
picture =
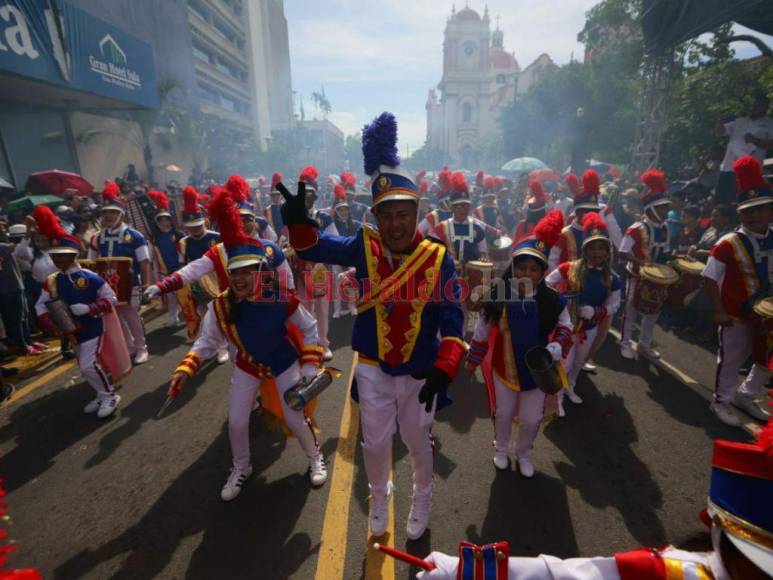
165	242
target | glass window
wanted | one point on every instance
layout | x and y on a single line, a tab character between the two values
201	54
227	68
198	10
209	94
466	113
229	103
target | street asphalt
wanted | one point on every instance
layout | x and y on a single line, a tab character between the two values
138	497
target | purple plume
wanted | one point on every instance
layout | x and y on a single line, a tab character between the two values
379	143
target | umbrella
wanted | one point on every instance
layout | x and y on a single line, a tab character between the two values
523	165
602	168
546	174
5	185
28	203
54	182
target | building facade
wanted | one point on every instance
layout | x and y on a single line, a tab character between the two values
480	78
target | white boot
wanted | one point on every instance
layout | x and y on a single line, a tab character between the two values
418	517
379	511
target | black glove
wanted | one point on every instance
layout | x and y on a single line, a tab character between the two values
436	384
293	210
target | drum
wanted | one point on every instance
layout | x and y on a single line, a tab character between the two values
478	277
206	288
763	343
500	250
652	287
62	317
87	264
690	281
117	271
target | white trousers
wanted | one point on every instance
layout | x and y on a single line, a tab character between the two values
529	406
647	320
735	346
578	355
241	400
172	308
386	403
91	370
131	323
320	310
341	297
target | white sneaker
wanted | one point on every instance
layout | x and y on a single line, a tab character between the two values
725	413
336	314
573	397
526	467
626	351
92	407
379	512
222	356
233	486
327	355
501	461
318	471
752	406
141	356
648	351
108	406
418	517
589	367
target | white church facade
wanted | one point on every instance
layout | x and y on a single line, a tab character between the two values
479	80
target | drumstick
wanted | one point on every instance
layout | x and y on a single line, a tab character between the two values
405	557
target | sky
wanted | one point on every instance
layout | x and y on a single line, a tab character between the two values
384	55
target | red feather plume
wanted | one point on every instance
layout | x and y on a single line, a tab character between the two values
458	182
444	179
655	180
308	174
111	191
160	199
489	183
593	221
499	181
420	175
190	200
223	210
548	229
348	180
423	186
204	199
339	192
538	192
48	225
748	174
479	178
276	178
572	183
591	182
238	187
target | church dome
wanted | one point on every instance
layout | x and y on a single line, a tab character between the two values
467	13
503	60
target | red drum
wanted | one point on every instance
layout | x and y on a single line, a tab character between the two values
652	287
690	281
478	276
117	271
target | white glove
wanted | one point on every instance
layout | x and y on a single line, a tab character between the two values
308	372
152	291
79	309
555	350
445	570
587	312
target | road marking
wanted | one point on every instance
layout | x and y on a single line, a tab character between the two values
379	566
750	426
332	554
37	383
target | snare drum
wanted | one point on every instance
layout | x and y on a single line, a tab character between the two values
763	343
117	271
652	287
500	250
62	317
206	288
478	277
690	281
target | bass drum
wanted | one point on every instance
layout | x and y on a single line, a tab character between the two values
652	287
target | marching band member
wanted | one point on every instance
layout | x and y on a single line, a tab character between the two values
166	240
357	210
738	273
256	226
89	298
488	211
409	350
535	210
254	320
536	316
117	239
313	284
738	515
273	213
443	211
645	241
342	225
595	285
568	244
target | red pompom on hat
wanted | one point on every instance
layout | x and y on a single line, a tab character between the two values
111	197
655	180
238	187
572	183
591	182
309	176
594	228
548	229
479	178
276	177
752	188
348	181
536	201
420	175
423	186
48	225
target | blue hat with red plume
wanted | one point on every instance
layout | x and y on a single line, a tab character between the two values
239	189
655	180
389	182
588	196
545	235
276	177
242	250
60	241
740	495
192	213
161	201
111	197
752	189
309	175
594	228
460	191
537	198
